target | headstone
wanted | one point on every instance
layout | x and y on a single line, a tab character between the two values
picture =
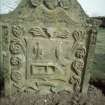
46	46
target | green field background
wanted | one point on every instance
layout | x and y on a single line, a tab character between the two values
98	68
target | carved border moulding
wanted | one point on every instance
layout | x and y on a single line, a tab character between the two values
17	48
92	33
43	56
5	56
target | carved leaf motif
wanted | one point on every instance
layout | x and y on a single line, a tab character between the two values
37	32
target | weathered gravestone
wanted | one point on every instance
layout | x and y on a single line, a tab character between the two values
46	46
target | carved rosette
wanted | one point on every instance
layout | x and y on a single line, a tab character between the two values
17	55
16	76
18	30
15	47
15	61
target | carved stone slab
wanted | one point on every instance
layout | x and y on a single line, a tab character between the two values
44	49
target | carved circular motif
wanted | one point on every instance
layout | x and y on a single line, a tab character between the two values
78	65
36	2
15	47
15	61
16	76
51	4
80	53
17	30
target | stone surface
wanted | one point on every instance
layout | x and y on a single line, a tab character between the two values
94	97
98	69
46	46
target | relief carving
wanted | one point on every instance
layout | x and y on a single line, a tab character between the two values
75	81
57	33
37	32
15	47
43	70
78	66
30	90
80	52
46	68
49	32
15	61
36	3
78	37
37	51
44	47
18	31
64	34
16	76
51	4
